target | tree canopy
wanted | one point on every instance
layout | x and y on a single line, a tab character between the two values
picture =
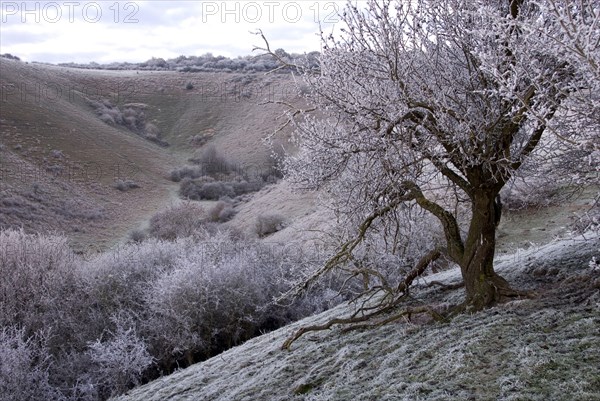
429	108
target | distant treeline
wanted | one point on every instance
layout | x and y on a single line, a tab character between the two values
210	63
10	56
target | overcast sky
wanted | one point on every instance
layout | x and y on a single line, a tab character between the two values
135	31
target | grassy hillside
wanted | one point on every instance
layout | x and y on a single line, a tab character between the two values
546	348
60	162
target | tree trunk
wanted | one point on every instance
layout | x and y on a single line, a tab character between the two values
483	286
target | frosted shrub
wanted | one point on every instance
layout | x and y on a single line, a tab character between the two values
24	365
199	189
177	221
219	294
132	117
107	119
119	361
107	318
210	297
125	185
267	224
37	276
117	280
221	212
137	236
213	162
186	172
214	191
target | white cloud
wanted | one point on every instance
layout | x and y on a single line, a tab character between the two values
84	31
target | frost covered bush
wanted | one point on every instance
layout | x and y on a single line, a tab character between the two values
37	279
204	308
126	185
202	190
214	177
24	366
219	295
116	283
119	361
43	316
116	280
215	191
267	224
212	162
186	172
245	187
86	329
177	221
132	117
221	212
137	235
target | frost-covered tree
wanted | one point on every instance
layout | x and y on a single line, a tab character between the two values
437	105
